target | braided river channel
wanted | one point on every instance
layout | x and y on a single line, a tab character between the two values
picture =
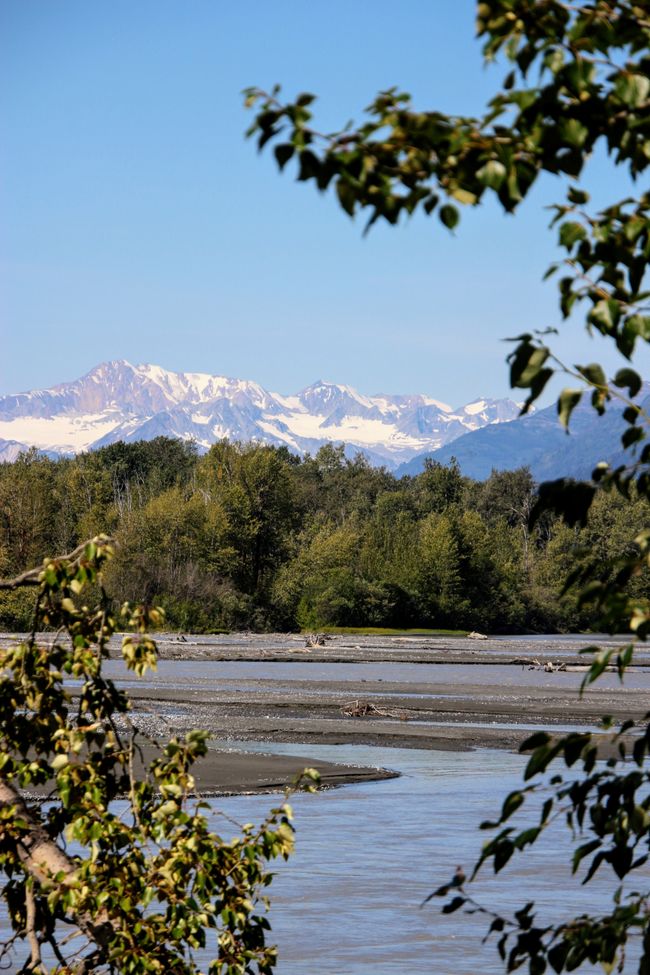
448	716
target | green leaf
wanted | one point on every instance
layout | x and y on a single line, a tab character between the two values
554	59
557	956
628	379
453	905
492	174
605	314
593	373
573	132
539	760
634	227
565	497
567	402
346	195
502	854
640	325
511	803
577	196
527	837
534	741
449	216
632	89
430	203
601	661
537	385
570	233
574	745
599	398
631	436
464	196
283	153
310	165
525	363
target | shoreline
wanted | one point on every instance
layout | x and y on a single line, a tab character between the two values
450	701
223	772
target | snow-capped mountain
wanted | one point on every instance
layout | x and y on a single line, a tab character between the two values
119	401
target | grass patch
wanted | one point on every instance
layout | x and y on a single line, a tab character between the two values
386	631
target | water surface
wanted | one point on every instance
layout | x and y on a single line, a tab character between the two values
218	673
367	855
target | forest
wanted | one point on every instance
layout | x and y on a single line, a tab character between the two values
250	536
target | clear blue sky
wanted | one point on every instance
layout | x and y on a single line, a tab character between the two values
138	223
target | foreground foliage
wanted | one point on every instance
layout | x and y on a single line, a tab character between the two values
119	869
578	81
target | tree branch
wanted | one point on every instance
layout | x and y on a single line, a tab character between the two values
36	963
43	861
32	576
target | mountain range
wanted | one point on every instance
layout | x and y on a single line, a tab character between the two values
119	401
539	442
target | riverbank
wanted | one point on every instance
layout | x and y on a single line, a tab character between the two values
416	692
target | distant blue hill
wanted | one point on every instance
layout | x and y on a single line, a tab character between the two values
539	442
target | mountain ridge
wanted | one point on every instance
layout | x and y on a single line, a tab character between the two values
119	401
538	441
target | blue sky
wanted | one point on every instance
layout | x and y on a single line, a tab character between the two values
138	223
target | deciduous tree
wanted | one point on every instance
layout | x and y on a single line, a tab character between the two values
120	870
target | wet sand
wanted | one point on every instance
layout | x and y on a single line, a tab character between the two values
236	772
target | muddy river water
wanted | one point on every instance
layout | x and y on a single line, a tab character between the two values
367	855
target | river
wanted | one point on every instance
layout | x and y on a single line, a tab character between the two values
347	902
367	855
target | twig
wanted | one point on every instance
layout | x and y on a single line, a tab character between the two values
31	577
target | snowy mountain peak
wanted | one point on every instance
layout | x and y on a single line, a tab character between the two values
120	401
477	406
324	397
483	411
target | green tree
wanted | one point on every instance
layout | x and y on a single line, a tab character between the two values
440	485
389	552
319	586
145	883
30	515
255	487
28	507
340	487
578	80
174	552
510	495
440	584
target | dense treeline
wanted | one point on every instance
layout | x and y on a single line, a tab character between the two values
250	536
